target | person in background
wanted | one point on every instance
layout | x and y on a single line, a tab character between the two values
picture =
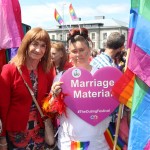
73	130
59	57
94	53
23	127
114	46
120	61
101	50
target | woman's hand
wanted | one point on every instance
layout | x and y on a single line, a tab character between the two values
56	88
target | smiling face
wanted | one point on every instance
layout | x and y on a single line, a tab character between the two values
36	50
79	53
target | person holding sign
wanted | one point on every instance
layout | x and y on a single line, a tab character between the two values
74	132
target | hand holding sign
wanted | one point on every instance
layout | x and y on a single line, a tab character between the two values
89	96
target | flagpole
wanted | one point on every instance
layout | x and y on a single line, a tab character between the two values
63	22
117	126
121	106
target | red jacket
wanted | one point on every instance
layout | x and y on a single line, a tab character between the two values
15	101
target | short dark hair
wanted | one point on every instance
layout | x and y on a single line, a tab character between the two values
115	40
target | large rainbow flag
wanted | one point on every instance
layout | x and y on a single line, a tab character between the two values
139	32
139	68
57	17
72	13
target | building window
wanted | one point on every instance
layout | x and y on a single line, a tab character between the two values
67	36
93	44
104	36
53	37
60	37
93	36
104	45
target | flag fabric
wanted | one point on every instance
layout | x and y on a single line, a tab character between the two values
139	134
139	59
138	64
72	12
77	145
18	18
11	32
110	136
57	17
123	88
140	48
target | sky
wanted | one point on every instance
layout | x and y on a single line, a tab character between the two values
41	12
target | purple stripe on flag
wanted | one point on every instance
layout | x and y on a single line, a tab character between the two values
13	52
130	37
139	63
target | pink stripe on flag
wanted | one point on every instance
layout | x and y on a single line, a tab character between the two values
9	35
139	63
130	37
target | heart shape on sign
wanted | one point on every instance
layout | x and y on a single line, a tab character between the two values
89	96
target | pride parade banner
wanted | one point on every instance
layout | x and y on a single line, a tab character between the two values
89	96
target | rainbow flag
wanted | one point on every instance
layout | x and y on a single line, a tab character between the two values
139	32
109	136
123	88
57	17
139	134
77	145
72	13
138	64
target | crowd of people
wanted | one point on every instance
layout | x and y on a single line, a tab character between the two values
42	63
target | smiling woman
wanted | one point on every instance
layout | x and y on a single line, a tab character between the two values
24	128
74	130
36	51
